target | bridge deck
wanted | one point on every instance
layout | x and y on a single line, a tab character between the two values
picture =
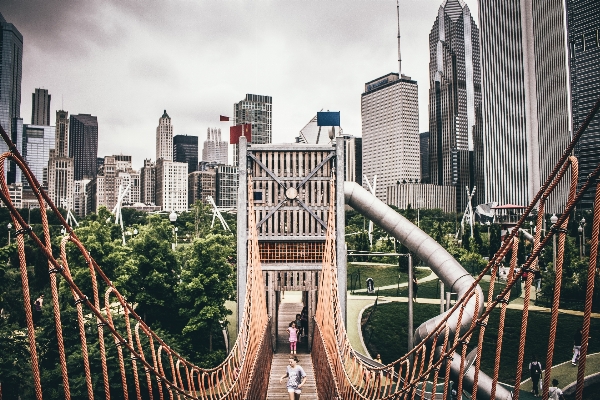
277	391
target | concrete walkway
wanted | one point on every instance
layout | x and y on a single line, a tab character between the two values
429	277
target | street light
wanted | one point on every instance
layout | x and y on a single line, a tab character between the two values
173	219
553	221
580	230
582	225
531	227
9	226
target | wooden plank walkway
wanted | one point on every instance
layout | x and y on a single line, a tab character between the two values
278	391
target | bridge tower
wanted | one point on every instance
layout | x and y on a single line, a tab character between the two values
291	185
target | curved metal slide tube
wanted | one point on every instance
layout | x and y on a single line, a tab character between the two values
454	276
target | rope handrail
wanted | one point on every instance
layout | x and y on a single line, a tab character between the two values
349	381
228	380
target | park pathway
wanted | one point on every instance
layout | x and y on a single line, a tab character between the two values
277	391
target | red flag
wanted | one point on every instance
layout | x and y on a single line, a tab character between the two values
223	118
234	134
240	130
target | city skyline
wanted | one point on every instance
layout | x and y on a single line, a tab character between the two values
215	55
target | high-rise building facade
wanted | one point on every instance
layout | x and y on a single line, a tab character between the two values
255	110
148	182
525	97
114	177
215	150
83	145
390	131
164	138
40	107
353	159
227	186
37	142
80	198
454	102
583	27
202	184
185	150
60	165
11	65
424	153
171	185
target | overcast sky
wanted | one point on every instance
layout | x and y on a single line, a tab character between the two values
126	61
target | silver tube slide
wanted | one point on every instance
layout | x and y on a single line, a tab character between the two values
455	277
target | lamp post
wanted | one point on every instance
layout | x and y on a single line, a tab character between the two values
580	230
531	227
582	225
553	220
173	219
9	226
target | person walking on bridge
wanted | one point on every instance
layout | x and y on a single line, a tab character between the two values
296	378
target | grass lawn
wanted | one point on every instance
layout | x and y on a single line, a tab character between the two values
386	334
431	290
383	275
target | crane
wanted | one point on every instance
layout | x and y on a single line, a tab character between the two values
70	216
217	214
117	210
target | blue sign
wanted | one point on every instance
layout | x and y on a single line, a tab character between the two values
329	118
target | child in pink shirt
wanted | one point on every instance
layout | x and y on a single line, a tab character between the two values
293	331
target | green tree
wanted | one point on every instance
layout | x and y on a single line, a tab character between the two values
150	276
207	280
495	241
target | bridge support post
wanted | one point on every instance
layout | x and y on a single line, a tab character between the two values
242	231
340	204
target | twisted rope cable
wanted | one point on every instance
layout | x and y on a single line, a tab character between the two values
505	297
19	224
436	371
80	322
585	332
558	280
143	357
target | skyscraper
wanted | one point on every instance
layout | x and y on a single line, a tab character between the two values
164	138
454	99
11	60
215	150
83	145
524	96
390	131
60	165
256	110
424	152
171	185
37	142
353	159
583	27
148	182
185	150
40	107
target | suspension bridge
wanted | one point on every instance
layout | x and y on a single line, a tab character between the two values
291	237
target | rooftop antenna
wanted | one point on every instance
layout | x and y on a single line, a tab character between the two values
399	56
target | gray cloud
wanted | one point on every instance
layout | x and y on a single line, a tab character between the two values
127	60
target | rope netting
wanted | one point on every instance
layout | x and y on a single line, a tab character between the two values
156	369
147	361
342	374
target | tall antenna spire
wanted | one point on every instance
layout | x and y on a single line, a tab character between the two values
399	56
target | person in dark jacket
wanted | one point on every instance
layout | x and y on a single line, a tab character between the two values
535	371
